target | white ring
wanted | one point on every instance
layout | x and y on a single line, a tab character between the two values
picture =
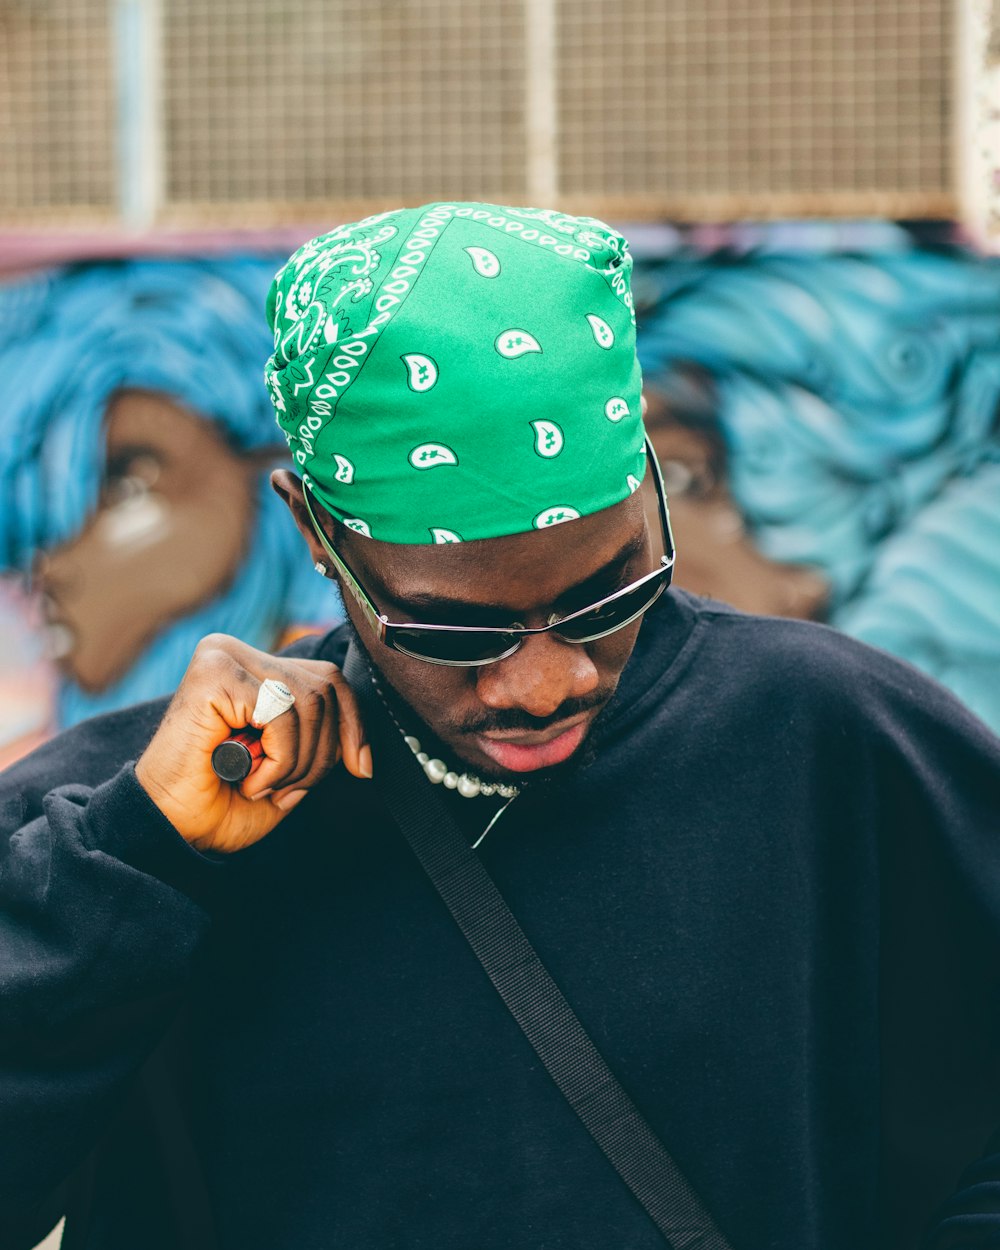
273	698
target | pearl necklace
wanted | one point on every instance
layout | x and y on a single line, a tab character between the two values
437	771
468	785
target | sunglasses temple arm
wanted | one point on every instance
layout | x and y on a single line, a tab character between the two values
368	609
661	499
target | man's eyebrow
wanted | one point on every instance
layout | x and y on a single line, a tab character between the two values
420	601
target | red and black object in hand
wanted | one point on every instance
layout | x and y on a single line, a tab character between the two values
236	758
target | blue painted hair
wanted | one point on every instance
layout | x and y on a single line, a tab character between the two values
195	330
857	397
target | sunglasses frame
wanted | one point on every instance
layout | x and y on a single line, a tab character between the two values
384	629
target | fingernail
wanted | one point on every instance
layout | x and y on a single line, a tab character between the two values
288	801
365	761
262	795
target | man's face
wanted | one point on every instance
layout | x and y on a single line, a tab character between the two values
533	709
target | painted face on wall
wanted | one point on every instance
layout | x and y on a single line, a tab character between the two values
175	513
719	556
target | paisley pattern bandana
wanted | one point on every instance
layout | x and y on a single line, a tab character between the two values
459	371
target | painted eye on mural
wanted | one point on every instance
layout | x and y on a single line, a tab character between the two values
692	480
129	473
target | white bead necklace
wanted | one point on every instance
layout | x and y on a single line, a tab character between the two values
468	785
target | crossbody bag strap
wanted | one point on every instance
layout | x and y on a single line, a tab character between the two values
524	984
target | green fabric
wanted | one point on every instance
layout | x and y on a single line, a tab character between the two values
459	371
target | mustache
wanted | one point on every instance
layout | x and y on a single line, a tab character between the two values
513	720
501	720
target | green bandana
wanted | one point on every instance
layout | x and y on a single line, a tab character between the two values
459	371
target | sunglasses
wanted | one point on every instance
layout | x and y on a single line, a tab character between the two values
467	646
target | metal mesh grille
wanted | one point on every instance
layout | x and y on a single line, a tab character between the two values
306	109
315	101
56	108
756	100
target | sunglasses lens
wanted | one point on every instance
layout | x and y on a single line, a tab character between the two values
453	647
469	647
615	614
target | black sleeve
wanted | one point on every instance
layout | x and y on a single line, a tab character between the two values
938	792
102	908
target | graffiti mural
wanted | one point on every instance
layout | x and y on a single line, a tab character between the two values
135	445
828	425
827	421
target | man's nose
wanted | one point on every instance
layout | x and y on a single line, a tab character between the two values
539	677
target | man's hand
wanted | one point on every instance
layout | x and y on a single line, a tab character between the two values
216	697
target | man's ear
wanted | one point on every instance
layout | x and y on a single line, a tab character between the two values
289	487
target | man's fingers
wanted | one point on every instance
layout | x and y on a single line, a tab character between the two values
319	748
288	800
354	746
280	740
216	700
229	688
305	742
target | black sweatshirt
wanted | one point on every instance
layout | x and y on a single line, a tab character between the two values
773	900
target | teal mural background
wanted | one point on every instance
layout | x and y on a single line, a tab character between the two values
853	381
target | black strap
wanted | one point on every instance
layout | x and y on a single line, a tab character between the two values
524	984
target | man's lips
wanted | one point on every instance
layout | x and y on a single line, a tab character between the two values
523	753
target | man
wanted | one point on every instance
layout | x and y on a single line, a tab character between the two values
758	858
